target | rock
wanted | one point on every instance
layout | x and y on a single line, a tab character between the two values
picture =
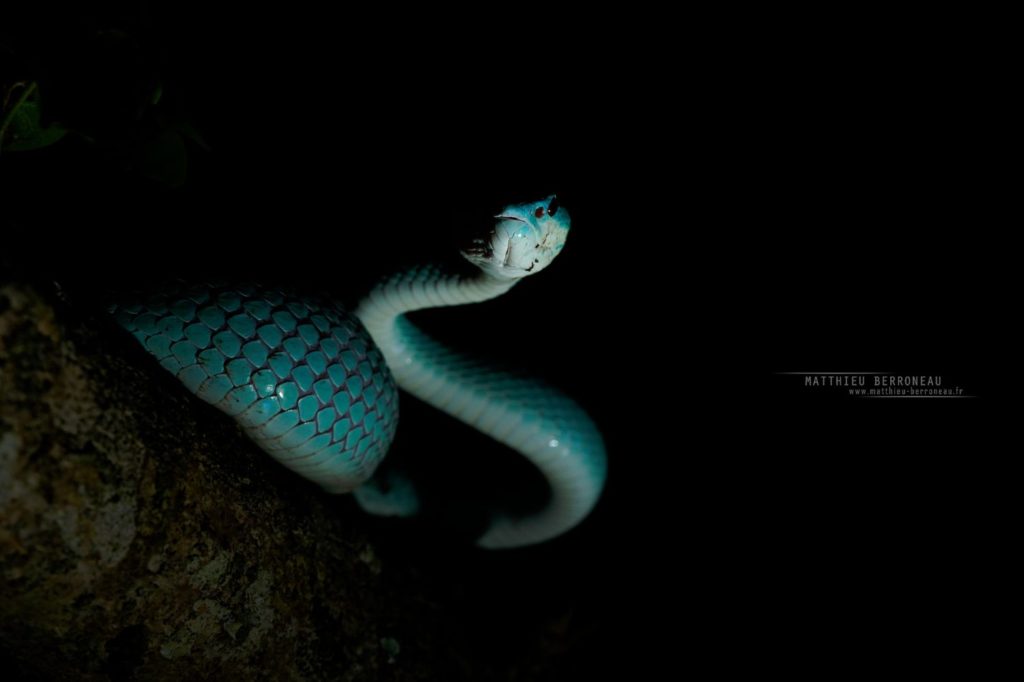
142	536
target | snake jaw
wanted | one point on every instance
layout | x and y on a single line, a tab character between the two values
524	240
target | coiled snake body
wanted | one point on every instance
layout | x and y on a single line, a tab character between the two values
314	385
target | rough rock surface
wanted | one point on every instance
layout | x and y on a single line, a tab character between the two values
143	537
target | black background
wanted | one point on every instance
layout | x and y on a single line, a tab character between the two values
743	203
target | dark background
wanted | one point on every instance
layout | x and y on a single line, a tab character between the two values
741	208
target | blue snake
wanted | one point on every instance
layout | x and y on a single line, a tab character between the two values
316	386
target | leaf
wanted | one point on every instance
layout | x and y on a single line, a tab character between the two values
22	130
164	159
191	133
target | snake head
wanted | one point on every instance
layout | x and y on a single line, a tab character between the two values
524	240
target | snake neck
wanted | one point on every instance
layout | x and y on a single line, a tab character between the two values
420	365
427	286
545	426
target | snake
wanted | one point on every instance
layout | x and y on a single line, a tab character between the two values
316	385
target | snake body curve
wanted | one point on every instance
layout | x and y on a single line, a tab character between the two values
315	385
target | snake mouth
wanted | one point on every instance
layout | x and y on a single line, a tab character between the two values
511	217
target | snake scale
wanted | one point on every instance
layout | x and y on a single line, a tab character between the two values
316	385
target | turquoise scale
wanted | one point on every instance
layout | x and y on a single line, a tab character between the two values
303	379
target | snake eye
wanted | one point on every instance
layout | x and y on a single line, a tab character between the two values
553	207
539	213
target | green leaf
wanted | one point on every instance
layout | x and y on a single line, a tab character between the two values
164	159
191	133
21	129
